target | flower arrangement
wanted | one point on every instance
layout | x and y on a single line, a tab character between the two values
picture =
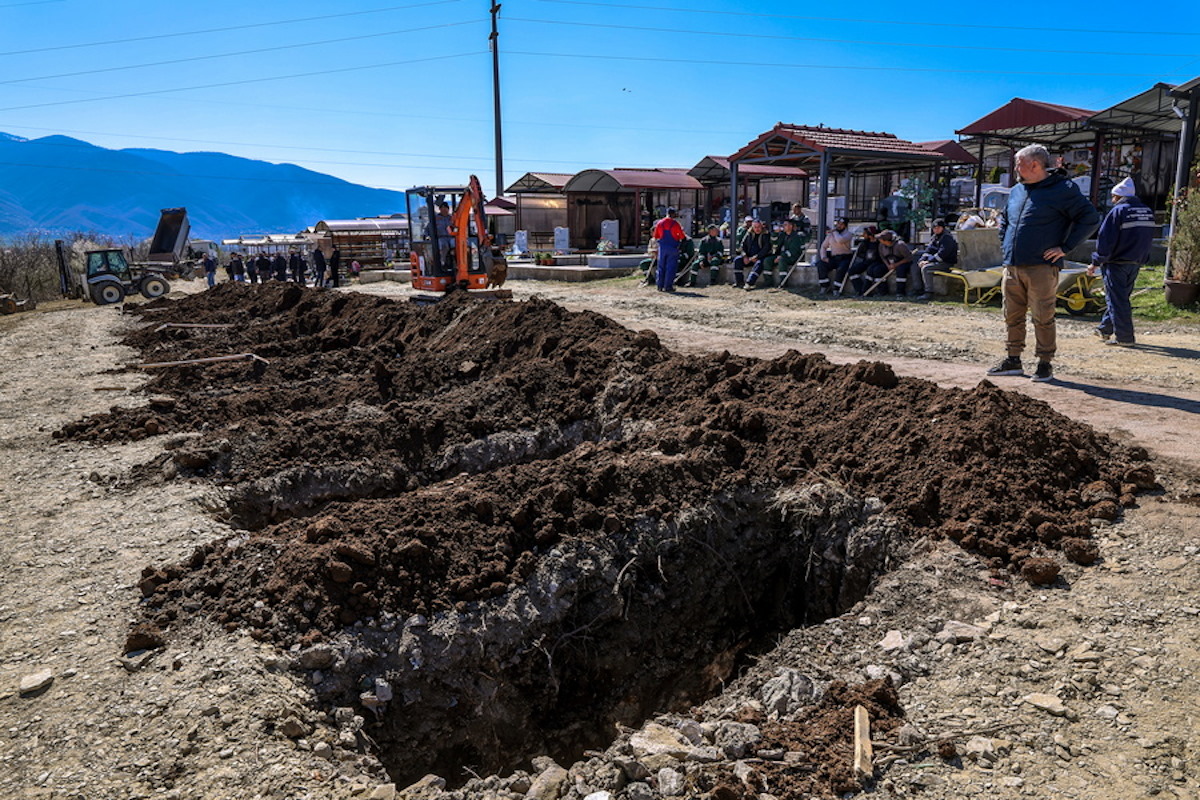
605	246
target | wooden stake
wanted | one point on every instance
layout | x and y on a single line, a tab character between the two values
863	767
210	360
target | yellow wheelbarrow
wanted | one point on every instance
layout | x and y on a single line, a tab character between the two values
1079	292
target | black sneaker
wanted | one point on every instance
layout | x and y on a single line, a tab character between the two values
1009	366
1044	372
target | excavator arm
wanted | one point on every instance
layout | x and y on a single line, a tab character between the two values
472	207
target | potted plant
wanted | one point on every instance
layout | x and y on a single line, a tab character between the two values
1183	283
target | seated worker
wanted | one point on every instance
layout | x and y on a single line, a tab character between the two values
940	253
443	227
687	265
866	256
647	264
756	246
742	230
788	250
800	220
897	257
835	253
712	256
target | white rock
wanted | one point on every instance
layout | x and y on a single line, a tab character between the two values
670	782
1046	702
384	791
1108	712
37	681
893	641
957	632
599	796
655	739
875	672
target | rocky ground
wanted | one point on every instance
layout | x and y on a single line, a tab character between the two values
1004	689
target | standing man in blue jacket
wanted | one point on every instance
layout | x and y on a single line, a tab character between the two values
1046	217
1122	247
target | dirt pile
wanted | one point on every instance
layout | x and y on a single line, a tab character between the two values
531	524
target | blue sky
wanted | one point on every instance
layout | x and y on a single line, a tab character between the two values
394	94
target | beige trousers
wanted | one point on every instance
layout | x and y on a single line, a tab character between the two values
1031	290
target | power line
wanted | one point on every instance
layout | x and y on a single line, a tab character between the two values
859	20
225	29
255	51
835	41
781	65
242	82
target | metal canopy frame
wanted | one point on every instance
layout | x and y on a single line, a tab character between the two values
540	183
1147	115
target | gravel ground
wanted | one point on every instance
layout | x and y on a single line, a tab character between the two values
223	716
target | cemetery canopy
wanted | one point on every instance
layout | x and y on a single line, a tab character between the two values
541	206
830	151
633	197
1136	137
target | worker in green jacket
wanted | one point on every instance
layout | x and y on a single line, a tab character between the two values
711	254
788	252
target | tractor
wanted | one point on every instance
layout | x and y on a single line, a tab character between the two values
111	277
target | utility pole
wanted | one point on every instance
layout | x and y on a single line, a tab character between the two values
494	39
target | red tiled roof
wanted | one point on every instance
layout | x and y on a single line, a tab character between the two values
951	150
1020	113
819	139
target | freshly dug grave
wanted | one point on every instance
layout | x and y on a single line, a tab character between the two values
530	524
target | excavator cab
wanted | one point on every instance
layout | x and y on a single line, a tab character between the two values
449	247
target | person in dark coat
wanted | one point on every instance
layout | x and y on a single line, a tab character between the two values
281	267
1122	247
252	268
941	253
318	258
335	261
264	267
210	269
296	267
755	246
236	269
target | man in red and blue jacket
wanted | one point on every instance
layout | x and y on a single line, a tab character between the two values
668	233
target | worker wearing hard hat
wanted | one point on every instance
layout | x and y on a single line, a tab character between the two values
1122	246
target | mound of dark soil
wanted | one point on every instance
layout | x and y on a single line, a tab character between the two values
395	462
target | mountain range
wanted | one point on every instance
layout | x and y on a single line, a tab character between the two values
56	185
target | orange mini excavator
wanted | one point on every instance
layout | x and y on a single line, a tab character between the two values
450	245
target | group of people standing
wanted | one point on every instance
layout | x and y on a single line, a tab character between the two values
293	267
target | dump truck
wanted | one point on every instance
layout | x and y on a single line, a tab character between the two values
111	276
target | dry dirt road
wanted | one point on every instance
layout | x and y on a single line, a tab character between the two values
1116	643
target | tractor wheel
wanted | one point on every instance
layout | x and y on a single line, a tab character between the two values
153	286
108	293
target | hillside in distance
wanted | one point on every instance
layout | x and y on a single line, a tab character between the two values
57	184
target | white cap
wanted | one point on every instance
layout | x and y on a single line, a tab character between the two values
1124	189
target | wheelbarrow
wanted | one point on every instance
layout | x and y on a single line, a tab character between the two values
1079	292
